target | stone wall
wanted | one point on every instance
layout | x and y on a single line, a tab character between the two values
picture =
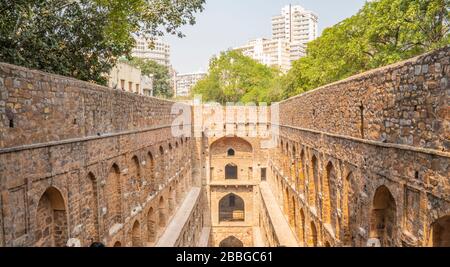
81	163
365	161
405	103
69	108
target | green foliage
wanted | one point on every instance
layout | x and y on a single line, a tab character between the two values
84	38
381	33
160	73
234	77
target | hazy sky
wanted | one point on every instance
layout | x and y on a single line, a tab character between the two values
230	23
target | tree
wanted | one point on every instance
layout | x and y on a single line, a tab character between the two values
381	33
160	74
234	77
84	38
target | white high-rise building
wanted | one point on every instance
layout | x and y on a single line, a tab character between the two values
273	53
296	25
185	82
159	52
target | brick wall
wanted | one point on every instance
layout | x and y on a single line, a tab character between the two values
83	163
406	103
366	160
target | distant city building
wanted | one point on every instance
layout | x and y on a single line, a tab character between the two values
129	78
147	85
295	24
291	31
185	82
159	52
273	53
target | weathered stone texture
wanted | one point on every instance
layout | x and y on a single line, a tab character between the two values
81	163
69	108
360	162
406	103
388	181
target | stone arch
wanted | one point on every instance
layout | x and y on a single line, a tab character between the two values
161	150
231	241
91	208
231	171
231	152
346	195
240	146
151	172
326	195
312	181
171	200
134	180
152	226
301	228
231	208
327	244
301	172
51	220
117	244
441	232
383	217
286	201
113	196
293	214
313	235
136	240
162	212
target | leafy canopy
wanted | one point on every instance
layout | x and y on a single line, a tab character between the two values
381	33
234	77
84	38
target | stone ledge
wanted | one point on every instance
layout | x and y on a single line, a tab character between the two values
280	225
374	143
179	220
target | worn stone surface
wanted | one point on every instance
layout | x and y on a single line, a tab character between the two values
358	162
344	177
106	168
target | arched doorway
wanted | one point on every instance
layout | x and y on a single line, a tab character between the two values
90	206
383	217
231	242
441	232
231	209
162	212
326	203
152	227
171	200
151	173
313	181
113	197
136	240
301	232
51	218
301	173
117	244
313	235
347	219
